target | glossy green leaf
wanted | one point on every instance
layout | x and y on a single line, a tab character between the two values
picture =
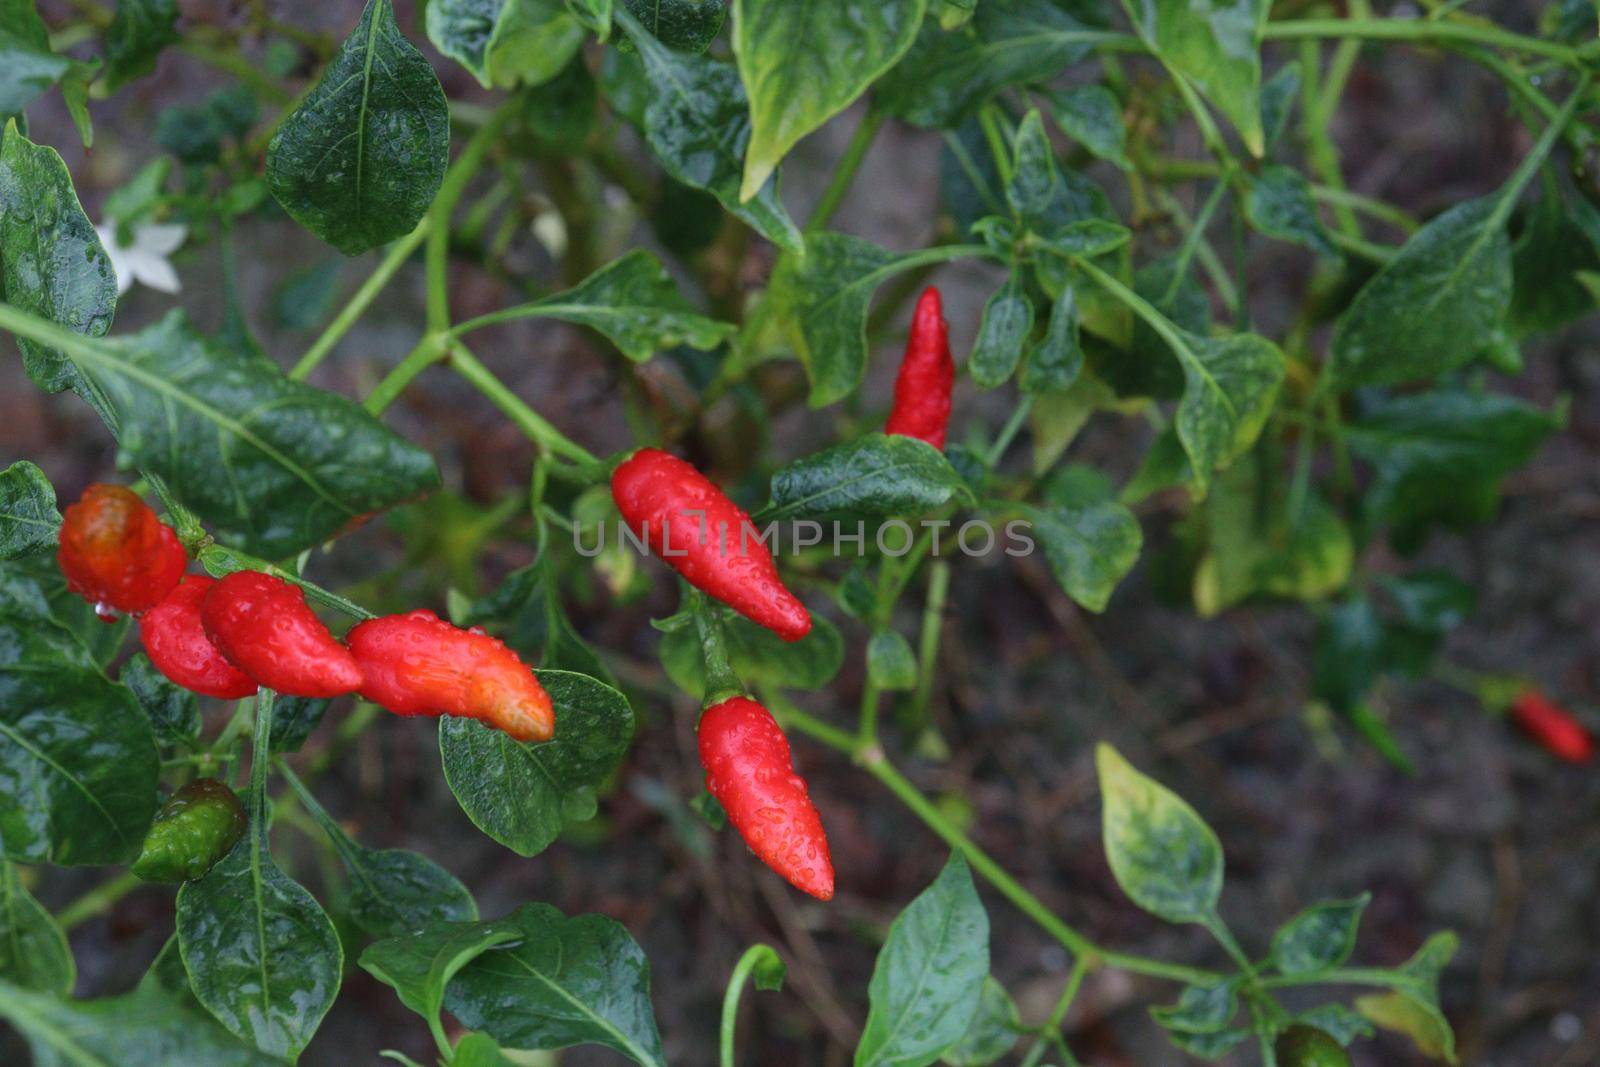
686	25
360	158
804	63
1067	212
1432	307
1090	541
758	655
821	302
1201	1009
891	665
1162	854
138	32
29	66
1055	363
1214	45
946	75
147	1026
991	1034
1320	937
1092	116
568	981
523	795
293	720
33	950
1007	322
29	521
38	579
51	261
1279	204
78	762
174	712
636	304
285	466
419	964
529	602
929	975
875	474
697	122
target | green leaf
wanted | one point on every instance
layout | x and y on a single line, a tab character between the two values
595	15
147	1026
29	66
1279	204
532	41
479	1050
1092	116
33	950
1063	209
1319	938
360	159
1214	45
1278	97
1209	1046
76	752
137	34
1343	1024
685	25
1007	321
529	602
1056	361
1201	1009
636	304
1090	541
945	76
821	300
876	474
1162	854
29	521
891	665
992	1032
929	975
568	981
697	122
560	114
1230	384
51	260
523	795
1558	243
283	466
293	719
757	654
1433	307
419	964
174	712
1403	1013
804	63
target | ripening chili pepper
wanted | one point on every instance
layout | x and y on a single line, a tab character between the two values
418	664
177	644
116	553
1306	1046
265	628
750	771
707	538
927	374
195	829
1554	727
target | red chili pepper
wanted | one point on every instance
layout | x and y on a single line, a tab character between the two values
117	553
177	644
264	627
751	773
927	374
417	664
707	538
1553	726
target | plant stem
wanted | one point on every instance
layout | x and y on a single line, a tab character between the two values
730	1000
437	254
928	640
844	173
396	255
1008	432
1058	1014
427	352
1420	31
530	422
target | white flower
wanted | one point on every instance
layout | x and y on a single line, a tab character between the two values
145	260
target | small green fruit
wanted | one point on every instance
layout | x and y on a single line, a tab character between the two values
197	827
1306	1046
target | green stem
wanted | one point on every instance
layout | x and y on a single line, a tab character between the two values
928	640
721	681
1196	234
1338	197
437	254
730	1000
844	173
97	901
537	428
428	351
1058	1015
397	254
1008	433
1420	31
1535	158
867	730
221	560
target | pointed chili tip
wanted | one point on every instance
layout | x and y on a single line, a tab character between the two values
930	306
791	620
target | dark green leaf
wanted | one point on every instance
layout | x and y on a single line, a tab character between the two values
137	34
1230	384
568	981
1279	205
1056	361
284	466
560	114
359	160
969	179
523	795
758	655
76	753
687	25
1007	321
698	124
992	1032
419	965
876	474
804	63
1557	243
29	66
53	263
1090	541
1209	1046
1278	96
1345	1025
1349	654
1431	308
529	602
1201	1009
29	520
293	719
506	43
33	951
1216	47
929	975
1320	937
174	712
1163	855
595	15
306	298
1092	116
891	664
1063	209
